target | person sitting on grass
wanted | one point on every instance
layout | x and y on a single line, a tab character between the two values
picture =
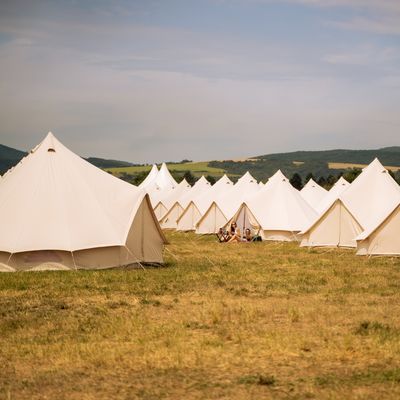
236	237
247	235
223	235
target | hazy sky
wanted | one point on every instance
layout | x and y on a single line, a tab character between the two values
156	80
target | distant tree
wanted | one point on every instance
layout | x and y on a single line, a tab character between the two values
211	179
189	178
138	178
398	177
321	181
308	177
296	181
331	180
184	161
351	174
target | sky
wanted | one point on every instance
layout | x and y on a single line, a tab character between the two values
165	80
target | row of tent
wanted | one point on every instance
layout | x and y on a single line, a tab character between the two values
60	212
363	215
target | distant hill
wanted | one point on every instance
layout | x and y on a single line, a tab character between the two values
10	157
319	163
104	163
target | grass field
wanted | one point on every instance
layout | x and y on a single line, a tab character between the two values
196	168
333	165
219	321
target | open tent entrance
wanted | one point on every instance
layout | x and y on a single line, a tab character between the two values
245	219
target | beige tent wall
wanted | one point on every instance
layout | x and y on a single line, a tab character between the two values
281	236
188	219
385	240
335	228
144	244
169	219
160	210
37	260
145	240
211	221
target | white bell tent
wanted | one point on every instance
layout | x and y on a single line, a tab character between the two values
60	212
168	198
150	178
359	207
384	237
313	193
169	221
225	204
276	212
200	203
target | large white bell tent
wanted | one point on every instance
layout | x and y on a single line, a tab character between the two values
313	193
225	204
200	203
60	212
169	221
359	207
276	212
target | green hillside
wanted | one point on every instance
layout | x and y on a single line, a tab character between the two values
305	162
9	157
196	168
319	163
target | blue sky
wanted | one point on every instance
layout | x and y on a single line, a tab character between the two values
160	80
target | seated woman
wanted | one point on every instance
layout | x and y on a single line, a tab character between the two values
247	235
235	234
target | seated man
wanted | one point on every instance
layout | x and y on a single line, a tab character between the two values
247	235
223	235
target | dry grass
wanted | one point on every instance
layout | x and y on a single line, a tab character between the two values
240	321
333	165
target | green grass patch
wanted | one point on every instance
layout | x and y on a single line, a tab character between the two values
196	168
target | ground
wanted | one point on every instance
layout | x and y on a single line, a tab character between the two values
219	321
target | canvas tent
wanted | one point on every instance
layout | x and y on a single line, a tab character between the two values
164	179
384	237
313	193
60	212
169	221
359	207
276	212
224	205
168	198
150	178
334	193
200	203
160	184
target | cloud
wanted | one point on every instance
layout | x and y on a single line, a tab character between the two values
384	25
366	55
374	16
154	90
